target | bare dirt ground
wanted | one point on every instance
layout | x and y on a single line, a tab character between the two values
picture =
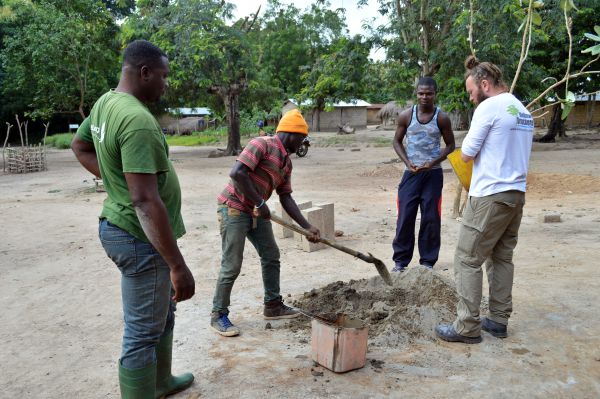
60	300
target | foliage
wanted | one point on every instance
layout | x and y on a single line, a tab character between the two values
337	75
291	42
559	61
58	58
61	141
595	49
418	32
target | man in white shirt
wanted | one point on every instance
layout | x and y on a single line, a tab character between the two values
499	143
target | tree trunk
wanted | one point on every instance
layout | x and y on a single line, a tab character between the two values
555	128
81	111
230	96
234	146
317	115
591	104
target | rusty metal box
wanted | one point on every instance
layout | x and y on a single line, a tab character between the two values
341	345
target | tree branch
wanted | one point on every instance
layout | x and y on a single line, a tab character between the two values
568	26
556	102
253	20
538	98
471	18
527	32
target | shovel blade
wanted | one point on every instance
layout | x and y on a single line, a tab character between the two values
382	270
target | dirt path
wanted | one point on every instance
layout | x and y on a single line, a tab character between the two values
61	318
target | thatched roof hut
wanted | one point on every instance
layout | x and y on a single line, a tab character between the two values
390	111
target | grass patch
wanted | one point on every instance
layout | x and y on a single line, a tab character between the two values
381	142
206	137
213	137
334	141
61	141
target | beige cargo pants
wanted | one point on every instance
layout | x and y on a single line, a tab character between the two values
489	231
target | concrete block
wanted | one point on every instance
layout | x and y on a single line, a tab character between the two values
314	216
279	230
328	230
550	217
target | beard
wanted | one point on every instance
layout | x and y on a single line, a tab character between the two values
481	96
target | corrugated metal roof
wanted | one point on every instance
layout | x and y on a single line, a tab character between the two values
191	111
584	98
339	104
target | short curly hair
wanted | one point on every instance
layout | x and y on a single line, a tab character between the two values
142	52
427	81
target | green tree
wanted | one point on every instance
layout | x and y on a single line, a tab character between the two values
336	76
418	31
389	81
58	59
564	60
290	41
206	54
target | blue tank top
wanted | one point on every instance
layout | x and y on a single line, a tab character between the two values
423	139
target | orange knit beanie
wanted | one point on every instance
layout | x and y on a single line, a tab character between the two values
292	122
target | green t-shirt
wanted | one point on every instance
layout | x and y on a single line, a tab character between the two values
128	139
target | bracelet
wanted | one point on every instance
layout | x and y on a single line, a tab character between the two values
261	204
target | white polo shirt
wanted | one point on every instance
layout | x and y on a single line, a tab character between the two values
500	141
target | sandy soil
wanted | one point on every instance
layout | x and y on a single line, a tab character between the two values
60	300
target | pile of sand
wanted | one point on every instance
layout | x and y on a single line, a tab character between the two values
398	315
555	185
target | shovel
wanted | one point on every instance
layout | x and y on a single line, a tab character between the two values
381	269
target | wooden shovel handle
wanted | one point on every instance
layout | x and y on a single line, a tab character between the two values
306	233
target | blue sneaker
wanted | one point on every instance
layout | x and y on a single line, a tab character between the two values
398	269
426	265
221	324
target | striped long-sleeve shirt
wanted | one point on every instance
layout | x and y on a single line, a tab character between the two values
270	169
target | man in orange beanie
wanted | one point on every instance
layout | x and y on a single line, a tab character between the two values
262	167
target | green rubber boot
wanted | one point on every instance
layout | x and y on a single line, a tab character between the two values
138	383
166	383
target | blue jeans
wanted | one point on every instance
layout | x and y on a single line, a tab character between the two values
235	226
419	190
146	292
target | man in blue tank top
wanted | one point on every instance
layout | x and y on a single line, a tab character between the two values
417	143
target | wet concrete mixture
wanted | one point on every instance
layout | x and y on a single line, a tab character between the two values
397	315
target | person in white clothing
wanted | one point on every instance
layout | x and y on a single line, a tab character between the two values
499	143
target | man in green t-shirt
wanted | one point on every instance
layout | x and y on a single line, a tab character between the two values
141	220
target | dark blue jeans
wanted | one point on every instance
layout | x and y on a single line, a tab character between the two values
148	310
419	190
235	227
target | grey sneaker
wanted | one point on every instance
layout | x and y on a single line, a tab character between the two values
221	324
276	309
398	269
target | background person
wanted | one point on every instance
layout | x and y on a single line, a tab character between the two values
499	143
421	186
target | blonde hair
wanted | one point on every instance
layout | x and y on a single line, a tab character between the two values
483	70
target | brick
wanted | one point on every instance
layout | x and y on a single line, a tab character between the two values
328	230
279	230
550	217
314	216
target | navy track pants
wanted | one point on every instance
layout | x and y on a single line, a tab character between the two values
416	190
